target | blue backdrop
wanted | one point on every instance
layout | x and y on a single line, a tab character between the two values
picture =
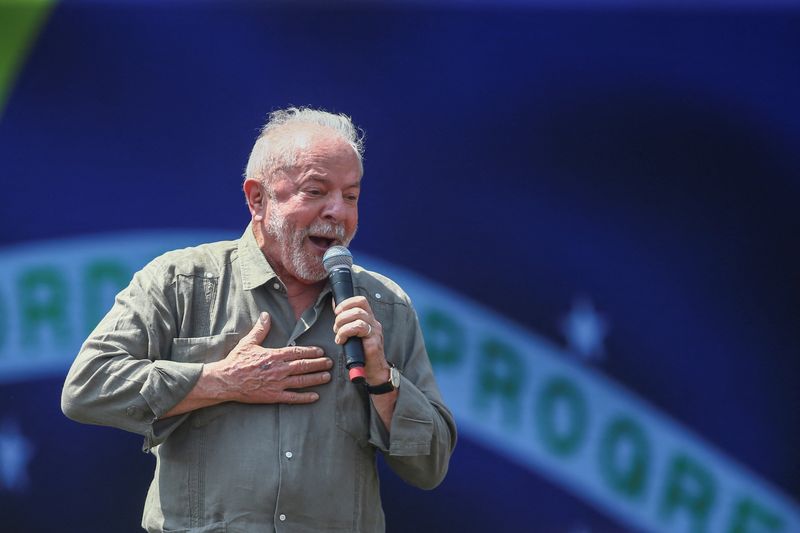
620	183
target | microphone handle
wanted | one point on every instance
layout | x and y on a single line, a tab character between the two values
342	287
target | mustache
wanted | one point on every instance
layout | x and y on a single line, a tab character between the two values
328	230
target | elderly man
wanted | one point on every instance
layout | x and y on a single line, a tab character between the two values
228	359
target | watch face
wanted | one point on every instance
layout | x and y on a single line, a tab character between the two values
394	377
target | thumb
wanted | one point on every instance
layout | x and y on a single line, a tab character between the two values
260	329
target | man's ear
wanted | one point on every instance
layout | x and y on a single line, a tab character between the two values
256	199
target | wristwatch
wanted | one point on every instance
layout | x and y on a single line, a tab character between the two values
389	386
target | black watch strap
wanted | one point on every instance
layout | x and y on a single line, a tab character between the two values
389	386
383	388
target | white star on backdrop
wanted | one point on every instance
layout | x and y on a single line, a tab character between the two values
15	453
585	330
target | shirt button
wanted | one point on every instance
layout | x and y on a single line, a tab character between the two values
378	295
282	517
209	275
288	455
276	286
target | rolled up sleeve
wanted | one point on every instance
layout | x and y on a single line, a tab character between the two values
422	436
122	376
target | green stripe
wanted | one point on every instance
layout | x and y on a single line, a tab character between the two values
20	22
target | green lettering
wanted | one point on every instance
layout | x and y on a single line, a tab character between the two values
43	299
444	339
690	487
501	374
561	416
750	517
103	279
624	457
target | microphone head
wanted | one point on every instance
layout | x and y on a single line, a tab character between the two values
337	257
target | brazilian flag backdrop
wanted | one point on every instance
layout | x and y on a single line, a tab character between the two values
594	206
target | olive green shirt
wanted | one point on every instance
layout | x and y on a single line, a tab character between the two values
255	467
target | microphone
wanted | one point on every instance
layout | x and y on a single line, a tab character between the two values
338	262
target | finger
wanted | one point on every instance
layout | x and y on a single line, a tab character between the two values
293	353
306	366
351	315
307	380
355	301
260	329
288	396
359	328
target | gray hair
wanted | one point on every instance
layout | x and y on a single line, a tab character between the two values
272	152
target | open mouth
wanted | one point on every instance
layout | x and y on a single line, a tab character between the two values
321	242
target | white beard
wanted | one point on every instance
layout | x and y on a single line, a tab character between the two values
301	263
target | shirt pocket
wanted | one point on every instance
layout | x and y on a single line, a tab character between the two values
204	350
352	405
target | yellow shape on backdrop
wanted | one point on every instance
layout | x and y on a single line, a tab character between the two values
20	22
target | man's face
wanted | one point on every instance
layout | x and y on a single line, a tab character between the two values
312	207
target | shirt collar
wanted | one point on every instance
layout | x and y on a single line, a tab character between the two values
256	270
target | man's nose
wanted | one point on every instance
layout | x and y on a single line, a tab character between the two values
335	208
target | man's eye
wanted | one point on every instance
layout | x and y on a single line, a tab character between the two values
352	197
314	192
